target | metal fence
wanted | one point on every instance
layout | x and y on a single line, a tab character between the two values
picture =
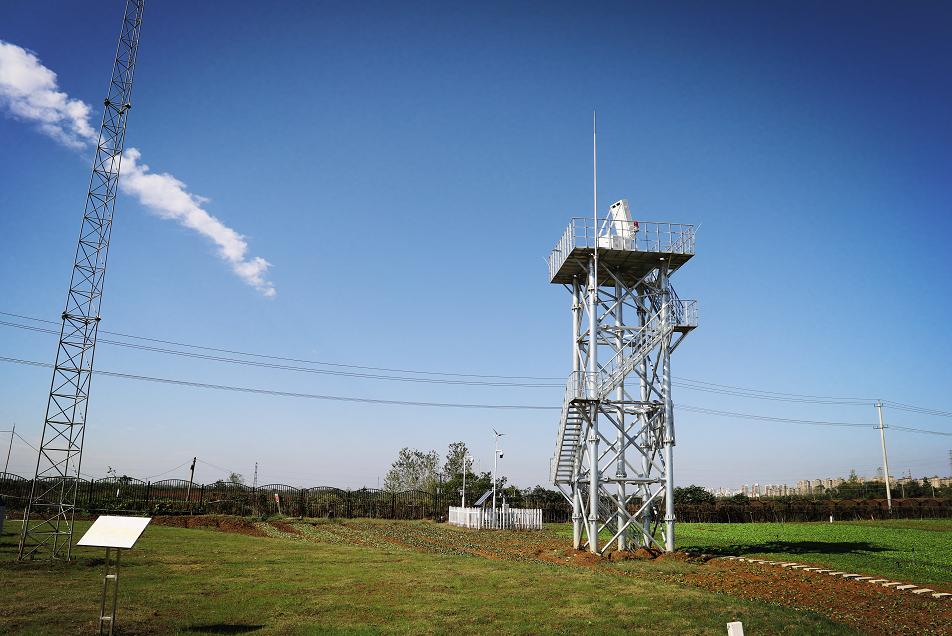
499	519
173	496
176	496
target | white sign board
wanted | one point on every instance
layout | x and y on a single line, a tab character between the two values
114	532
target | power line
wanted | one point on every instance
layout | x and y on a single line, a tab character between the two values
768	418
23	439
778	393
284	367
271	392
211	465
313	396
683	382
149	478
916	409
696	385
284	358
918	430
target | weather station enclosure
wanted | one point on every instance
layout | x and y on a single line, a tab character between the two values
614	455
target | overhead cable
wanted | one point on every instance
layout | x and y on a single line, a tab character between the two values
284	367
537	381
313	396
290	359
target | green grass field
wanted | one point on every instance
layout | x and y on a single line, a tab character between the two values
367	577
913	550
204	581
908	550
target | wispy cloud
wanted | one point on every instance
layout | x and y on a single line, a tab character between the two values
29	92
168	198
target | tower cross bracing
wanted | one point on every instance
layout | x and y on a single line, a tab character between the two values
48	519
614	453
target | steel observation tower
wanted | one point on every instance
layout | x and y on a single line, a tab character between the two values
614	455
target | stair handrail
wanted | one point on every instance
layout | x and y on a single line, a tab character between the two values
683	313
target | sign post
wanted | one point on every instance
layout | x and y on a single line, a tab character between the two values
115	534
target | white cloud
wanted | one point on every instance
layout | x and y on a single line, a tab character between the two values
168	198
29	92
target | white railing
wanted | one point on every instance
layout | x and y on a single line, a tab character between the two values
650	236
500	519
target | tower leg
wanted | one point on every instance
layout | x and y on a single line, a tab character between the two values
578	513
622	541
620	471
576	516
668	424
593	479
669	496
593	475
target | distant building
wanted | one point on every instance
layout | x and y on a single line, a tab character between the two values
808	487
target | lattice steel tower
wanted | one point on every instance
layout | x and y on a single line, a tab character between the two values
614	454
48	520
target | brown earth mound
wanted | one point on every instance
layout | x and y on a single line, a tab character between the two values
644	554
225	523
284	526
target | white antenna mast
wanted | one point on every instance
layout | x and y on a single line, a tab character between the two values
595	191
595	176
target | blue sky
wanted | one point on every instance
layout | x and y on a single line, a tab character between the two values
405	170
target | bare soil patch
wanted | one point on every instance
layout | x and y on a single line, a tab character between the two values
870	608
224	523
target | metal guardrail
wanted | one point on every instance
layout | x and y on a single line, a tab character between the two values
643	236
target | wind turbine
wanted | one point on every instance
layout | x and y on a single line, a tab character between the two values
497	455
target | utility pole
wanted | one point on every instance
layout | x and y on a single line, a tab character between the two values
496	455
882	439
254	491
191	479
9	448
466	458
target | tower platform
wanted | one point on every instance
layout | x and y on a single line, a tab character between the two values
630	249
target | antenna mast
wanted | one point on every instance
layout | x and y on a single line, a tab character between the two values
595	181
48	518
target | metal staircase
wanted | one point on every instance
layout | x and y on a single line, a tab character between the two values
635	347
569	439
581	388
